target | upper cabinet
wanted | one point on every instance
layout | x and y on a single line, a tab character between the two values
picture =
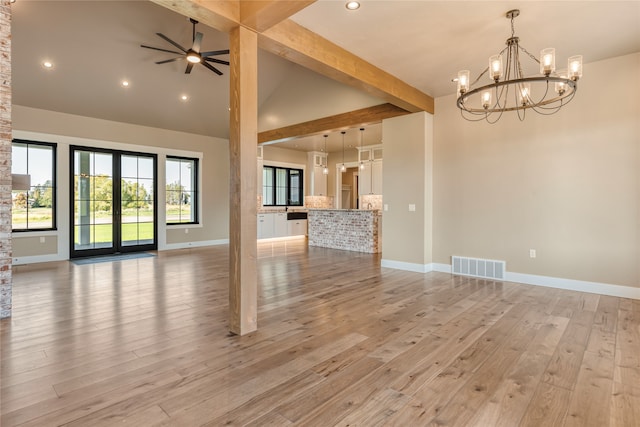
370	153
318	179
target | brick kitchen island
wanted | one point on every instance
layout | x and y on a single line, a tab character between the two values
348	229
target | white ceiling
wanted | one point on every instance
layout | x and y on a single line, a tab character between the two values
95	44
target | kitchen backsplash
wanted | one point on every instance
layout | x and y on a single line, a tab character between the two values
374	199
318	202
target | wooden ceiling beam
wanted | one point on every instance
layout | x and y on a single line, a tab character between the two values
362	117
301	46
297	44
221	15
262	15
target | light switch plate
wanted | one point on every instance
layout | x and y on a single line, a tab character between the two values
412	208
386	207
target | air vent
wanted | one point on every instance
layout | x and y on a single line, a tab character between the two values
476	267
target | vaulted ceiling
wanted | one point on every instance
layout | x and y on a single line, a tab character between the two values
94	45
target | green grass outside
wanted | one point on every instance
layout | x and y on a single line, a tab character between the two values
102	233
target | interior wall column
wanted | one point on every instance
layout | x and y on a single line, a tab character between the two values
5	159
243	139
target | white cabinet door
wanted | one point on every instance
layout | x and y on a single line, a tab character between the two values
376	177
364	179
319	182
265	226
280	224
297	227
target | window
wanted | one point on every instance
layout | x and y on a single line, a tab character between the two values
281	186
34	206
182	190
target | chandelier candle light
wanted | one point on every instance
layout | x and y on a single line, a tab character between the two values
511	90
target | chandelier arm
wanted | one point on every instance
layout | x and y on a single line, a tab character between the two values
571	85
528	53
468	119
479	76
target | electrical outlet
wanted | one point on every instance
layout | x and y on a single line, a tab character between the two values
186	231
412	208
42	239
532	253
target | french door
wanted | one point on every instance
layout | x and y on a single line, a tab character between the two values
113	202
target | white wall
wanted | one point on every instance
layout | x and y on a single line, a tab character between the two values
407	181
320	97
67	129
566	185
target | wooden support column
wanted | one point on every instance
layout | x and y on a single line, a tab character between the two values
243	138
5	159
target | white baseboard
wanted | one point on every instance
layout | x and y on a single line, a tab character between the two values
530	279
22	260
199	244
575	285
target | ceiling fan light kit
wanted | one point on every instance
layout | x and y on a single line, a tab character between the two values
511	90
193	55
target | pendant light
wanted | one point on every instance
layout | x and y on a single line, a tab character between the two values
326	169
343	168
361	138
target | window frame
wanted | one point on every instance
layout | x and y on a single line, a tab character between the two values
195	202
54	185
274	188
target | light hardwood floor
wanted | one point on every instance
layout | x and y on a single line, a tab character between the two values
341	341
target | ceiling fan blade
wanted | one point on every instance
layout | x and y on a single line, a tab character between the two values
217	61
163	37
214	69
197	40
169	60
215	52
161	50
189	68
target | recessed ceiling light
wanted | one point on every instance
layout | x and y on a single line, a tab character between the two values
352	5
47	64
125	83
12	1
184	97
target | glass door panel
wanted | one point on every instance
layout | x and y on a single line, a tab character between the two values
137	200
92	199
113	202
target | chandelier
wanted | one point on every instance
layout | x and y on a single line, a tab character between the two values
510	90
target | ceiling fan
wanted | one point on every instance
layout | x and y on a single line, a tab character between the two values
192	55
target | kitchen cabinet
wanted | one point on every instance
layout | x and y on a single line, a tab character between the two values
275	224
318	180
370	153
370	178
280	224
265	226
297	227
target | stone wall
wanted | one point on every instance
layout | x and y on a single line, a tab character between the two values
347	229
5	159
